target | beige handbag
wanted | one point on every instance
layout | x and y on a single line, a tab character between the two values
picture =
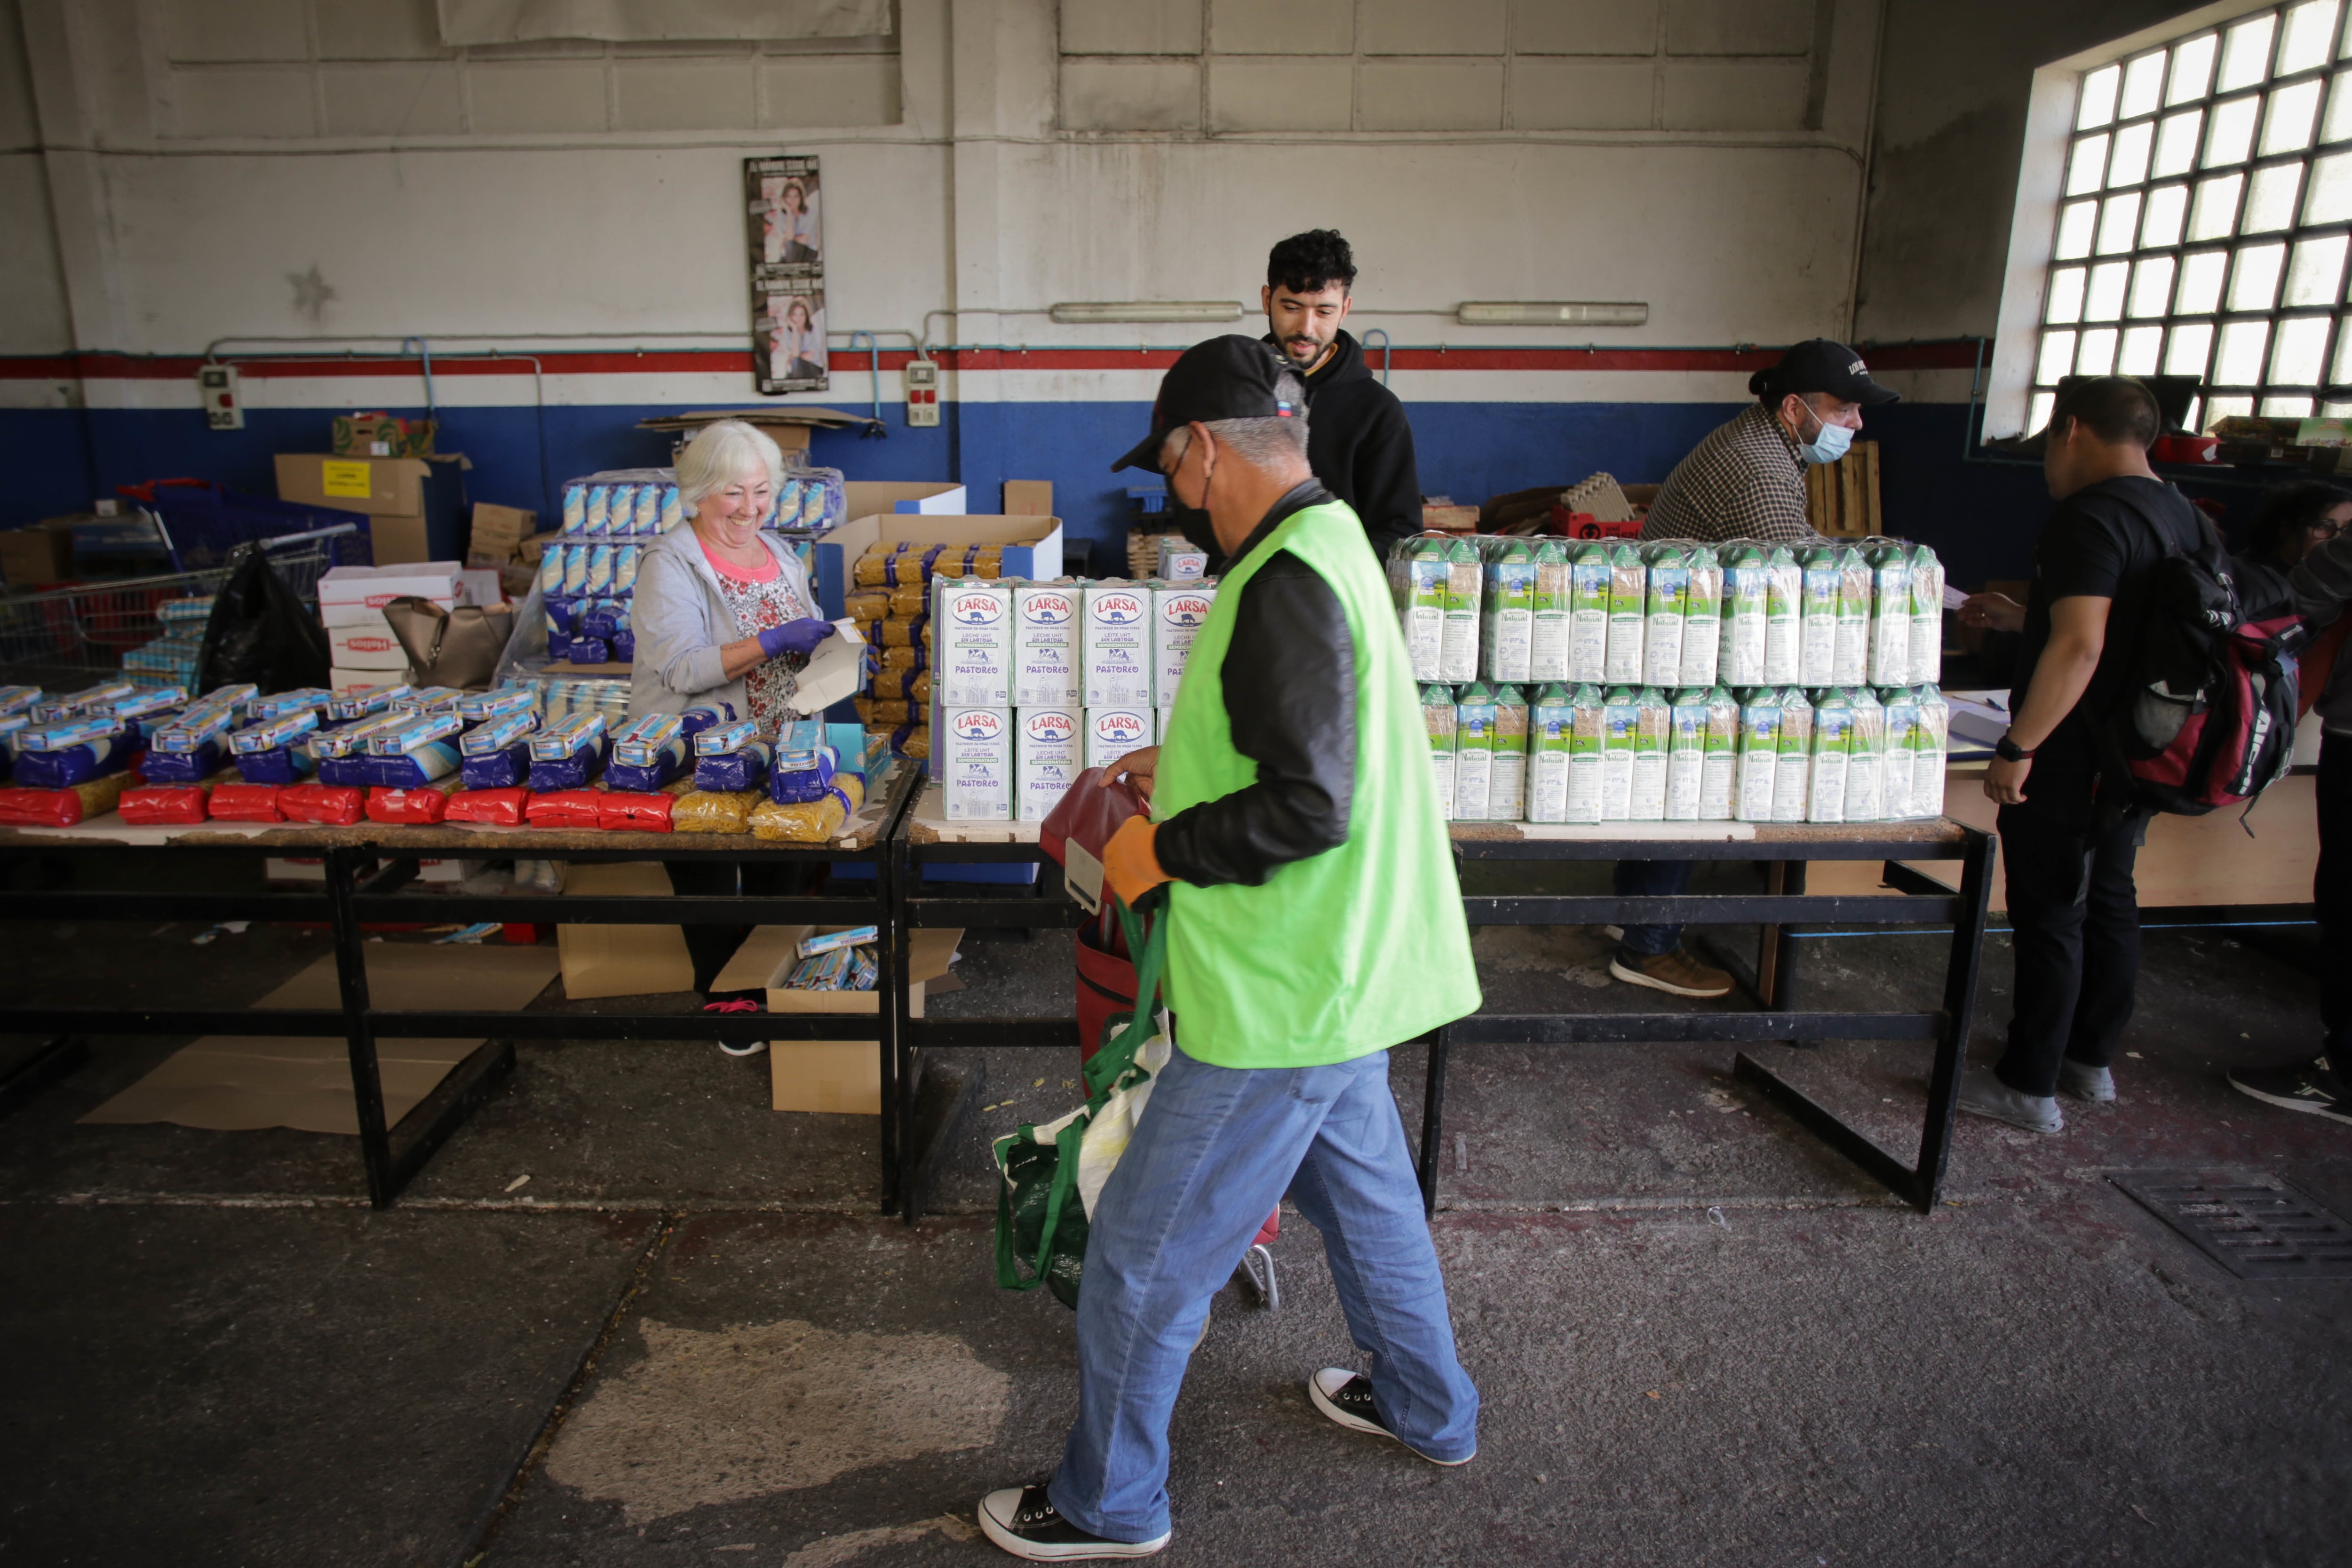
457	647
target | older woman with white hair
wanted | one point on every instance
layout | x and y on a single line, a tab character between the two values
724	614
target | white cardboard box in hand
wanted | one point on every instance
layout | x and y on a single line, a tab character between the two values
835	670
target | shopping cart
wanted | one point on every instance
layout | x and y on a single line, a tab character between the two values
65	636
199	524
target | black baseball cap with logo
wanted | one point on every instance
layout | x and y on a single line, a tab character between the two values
1818	364
1223	378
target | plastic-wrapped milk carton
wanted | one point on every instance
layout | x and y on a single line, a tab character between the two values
1933	736
1474	752
1685	754
1702	617
1047	755
1438	717
1831	756
1866	768
1551	735
1629	606
1113	731
1852	666
1507	786
1621	723
1653	724
1179	611
1587	753
972	758
1760	752
1817	616
1792	780
1548	647
1588	613
1900	706
1926	618
1116	644
1046	644
1746	607
1784	586
1419	579
1465	584
1718	785
1663	617
1507	637
972	630
1890	614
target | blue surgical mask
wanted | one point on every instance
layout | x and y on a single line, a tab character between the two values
1828	443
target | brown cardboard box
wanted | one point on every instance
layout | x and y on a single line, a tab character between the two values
621	961
400	540
415	502
866	497
1029	498
37	554
841	1075
499	533
382	435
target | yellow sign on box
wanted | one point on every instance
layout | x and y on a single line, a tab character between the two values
345	480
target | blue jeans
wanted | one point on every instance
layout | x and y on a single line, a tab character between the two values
1652	879
1216	1148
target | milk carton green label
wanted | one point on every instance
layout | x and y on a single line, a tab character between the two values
1507	787
1685	754
1927	617
1718	783
1890	614
1474	753
1506	641
1551	736
1816	617
1629	602
1760	750
1934	731
1784	588
1866	768
1652	727
1421	607
1901	706
1621	721
1792	780
1832	744
1703	619
1437	715
1667	603
1464	577
1852	666
1586	750
1548	647
1746	614
1588	613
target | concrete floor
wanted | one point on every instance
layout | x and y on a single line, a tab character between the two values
1700	1337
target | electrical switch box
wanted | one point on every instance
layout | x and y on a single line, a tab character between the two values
224	400
922	378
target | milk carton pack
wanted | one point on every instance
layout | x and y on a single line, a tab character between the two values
1758	753
1588	613
1817	616
1048	754
1702	618
1792	780
1746	614
1474	753
1852	666
1180	561
1890	615
1685	754
1866	768
1179	610
1586	752
1046	644
1620	722
972	632
1506	783
1784	593
1548	645
1927	619
1465	585
1668	601
1551	736
1115	645
1419	579
1112	732
1438	717
1718	785
1653	718
1833	747
1629	605
972	755
1506	633
1932	735
1900	706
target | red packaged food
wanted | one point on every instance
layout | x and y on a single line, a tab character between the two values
419	806
574	808
247	803
39	807
489	807
626	811
325	804
156	805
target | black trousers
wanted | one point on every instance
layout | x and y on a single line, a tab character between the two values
2332	891
2074	914
710	946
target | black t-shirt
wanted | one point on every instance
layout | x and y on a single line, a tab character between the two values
2102	541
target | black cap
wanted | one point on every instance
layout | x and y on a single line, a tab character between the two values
1817	364
1224	378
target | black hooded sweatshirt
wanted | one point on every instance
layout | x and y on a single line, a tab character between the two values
1360	447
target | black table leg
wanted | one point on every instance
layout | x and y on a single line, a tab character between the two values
1433	1117
50	1062
351	975
1960	972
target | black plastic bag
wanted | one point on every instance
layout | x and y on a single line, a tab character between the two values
260	631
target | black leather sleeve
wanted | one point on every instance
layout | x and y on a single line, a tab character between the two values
1289	680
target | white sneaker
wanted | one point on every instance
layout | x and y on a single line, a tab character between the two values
743	1048
1025	1521
1346	1399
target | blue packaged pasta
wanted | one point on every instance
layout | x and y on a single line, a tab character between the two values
236	694
66	766
182	767
341	752
413	729
479	707
803	766
720	740
558	646
269	733
200	724
625	647
505	768
17	698
362	701
567	753
274	765
73	704
142	703
429	700
704	715
417	751
746	768
589	650
600	618
281	704
63	734
642	739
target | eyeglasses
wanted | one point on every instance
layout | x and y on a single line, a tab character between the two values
2324	528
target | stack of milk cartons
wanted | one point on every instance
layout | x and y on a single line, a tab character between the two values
361	649
1036	681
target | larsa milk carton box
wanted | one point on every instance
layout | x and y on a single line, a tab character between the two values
972	621
1112	732
1116	645
1046	644
1047	756
1178	612
974	758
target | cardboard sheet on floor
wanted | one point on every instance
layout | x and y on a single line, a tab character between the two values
621	961
234	1082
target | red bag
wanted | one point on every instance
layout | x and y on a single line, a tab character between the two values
626	811
163	805
420	806
39	807
1076	831
247	803
326	805
488	807
574	808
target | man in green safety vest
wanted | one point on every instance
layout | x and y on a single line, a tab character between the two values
1314	921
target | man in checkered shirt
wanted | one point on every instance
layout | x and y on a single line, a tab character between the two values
1746	480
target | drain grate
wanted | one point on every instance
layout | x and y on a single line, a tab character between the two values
2251	1224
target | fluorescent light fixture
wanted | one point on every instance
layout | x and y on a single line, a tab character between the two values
1098	311
1552	313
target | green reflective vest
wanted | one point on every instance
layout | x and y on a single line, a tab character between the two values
1345	953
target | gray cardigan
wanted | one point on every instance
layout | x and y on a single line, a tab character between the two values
682	621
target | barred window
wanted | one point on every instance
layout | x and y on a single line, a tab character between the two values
2206	215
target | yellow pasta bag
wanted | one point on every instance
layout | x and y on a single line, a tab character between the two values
713	811
882	713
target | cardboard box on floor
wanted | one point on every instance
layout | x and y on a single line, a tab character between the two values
843	1076
414	506
37	554
621	961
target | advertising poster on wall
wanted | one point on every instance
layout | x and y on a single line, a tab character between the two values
786	236
788	335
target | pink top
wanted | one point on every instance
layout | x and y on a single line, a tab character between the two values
766	573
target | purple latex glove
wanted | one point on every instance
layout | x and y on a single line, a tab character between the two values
794	637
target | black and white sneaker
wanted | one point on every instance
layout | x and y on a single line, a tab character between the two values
1025	1521
2308	1087
1347	1397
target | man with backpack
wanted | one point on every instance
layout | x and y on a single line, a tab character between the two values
2070	825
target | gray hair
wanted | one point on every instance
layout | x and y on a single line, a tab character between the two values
723	453
1260	442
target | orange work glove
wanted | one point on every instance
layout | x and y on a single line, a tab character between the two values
1130	863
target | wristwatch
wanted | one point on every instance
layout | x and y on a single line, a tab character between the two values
2009	751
